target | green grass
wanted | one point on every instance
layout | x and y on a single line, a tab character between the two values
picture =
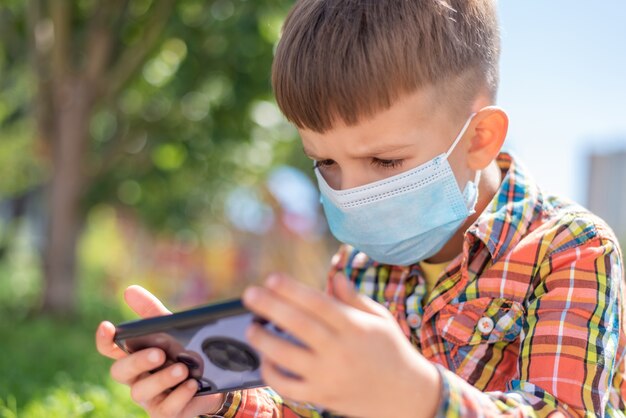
48	367
52	369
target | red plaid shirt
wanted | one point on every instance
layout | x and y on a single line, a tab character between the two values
527	321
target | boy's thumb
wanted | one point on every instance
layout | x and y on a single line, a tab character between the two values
344	290
144	303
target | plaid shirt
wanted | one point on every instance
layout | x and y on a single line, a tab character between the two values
527	321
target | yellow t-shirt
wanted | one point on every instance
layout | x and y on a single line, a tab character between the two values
432	272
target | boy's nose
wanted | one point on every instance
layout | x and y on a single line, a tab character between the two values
346	182
344	179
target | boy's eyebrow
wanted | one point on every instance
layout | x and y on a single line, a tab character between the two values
309	154
366	153
386	149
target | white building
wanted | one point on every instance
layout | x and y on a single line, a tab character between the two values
606	189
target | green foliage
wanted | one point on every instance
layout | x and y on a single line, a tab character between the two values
197	119
194	119
20	274
51	369
20	168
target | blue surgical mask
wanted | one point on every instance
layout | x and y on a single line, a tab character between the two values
405	218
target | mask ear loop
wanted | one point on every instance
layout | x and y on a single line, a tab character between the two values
477	177
460	135
456	142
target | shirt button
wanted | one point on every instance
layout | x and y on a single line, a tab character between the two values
414	320
485	325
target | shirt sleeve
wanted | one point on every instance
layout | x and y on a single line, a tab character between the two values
568	346
265	403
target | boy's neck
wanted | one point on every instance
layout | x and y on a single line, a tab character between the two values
487	188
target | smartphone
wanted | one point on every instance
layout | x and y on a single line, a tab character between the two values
209	340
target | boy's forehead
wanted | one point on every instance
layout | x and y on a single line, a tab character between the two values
361	143
408	118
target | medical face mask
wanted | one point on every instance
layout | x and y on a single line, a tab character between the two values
405	218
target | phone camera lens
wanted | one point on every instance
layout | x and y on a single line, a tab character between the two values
229	354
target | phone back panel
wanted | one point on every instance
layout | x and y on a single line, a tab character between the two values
210	340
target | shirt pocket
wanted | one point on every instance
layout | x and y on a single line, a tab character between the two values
480	333
483	321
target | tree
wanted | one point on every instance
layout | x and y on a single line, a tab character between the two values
158	105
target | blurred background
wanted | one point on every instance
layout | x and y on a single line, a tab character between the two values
140	143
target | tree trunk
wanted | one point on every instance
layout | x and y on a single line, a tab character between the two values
72	110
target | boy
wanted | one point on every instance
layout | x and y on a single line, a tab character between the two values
476	293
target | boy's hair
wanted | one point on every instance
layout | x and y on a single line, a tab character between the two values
349	59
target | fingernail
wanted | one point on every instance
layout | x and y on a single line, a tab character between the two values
177	371
251	294
272	281
154	356
194	384
102	331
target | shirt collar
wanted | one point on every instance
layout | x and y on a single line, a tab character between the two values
512	210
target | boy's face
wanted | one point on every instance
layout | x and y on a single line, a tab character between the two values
411	132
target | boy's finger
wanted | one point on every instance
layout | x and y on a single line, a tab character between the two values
104	341
280	351
178	399
144	303
304	326
127	369
344	291
146	389
317	304
288	387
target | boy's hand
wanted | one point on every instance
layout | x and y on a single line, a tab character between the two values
151	391
358	362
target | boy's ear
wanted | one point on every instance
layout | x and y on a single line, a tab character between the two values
492	124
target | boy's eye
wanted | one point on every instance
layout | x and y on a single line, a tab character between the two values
386	163
323	163
375	161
